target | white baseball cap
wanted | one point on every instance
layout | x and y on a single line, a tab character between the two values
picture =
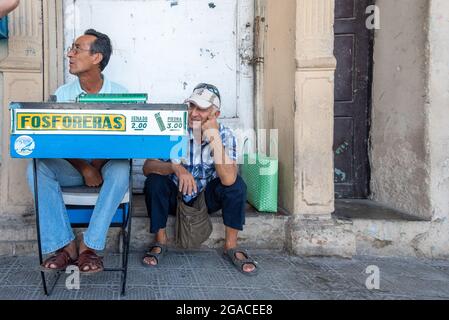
204	96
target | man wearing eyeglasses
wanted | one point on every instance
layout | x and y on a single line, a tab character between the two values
88	57
210	167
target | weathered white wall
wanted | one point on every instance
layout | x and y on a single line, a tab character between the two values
165	48
439	106
400	150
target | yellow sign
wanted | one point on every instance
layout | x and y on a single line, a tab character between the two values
71	122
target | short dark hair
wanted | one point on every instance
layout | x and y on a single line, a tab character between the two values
101	45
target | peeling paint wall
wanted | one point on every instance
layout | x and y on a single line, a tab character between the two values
165	48
399	147
279	92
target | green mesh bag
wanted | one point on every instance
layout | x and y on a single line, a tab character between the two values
260	174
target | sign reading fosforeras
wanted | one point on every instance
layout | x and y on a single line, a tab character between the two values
111	122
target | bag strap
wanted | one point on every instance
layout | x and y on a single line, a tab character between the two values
201	198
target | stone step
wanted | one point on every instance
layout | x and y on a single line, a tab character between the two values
262	231
384	231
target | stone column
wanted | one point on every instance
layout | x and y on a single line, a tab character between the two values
312	231
22	81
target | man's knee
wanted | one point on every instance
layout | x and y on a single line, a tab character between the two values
234	204
117	170
121	166
238	188
155	183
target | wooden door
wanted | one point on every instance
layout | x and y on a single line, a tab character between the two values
353	50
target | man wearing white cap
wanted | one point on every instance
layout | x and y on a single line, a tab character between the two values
210	167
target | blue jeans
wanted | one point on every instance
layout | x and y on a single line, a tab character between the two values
56	231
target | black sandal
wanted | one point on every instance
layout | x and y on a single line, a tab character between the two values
157	256
231	255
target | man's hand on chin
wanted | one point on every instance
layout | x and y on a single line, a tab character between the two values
210	128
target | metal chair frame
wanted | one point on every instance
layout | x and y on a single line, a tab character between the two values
124	225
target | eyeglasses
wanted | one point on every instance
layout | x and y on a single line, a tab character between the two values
75	49
209	87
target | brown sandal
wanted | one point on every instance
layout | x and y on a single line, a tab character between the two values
61	259
90	258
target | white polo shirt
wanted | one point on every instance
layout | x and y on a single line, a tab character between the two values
70	91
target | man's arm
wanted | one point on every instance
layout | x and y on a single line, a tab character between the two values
187	184
226	167
6	6
158	167
92	176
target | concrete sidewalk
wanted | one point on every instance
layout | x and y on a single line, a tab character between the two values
204	275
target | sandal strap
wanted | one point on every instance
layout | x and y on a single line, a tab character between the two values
61	259
247	261
156	255
158	245
233	253
242	251
152	255
89	257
